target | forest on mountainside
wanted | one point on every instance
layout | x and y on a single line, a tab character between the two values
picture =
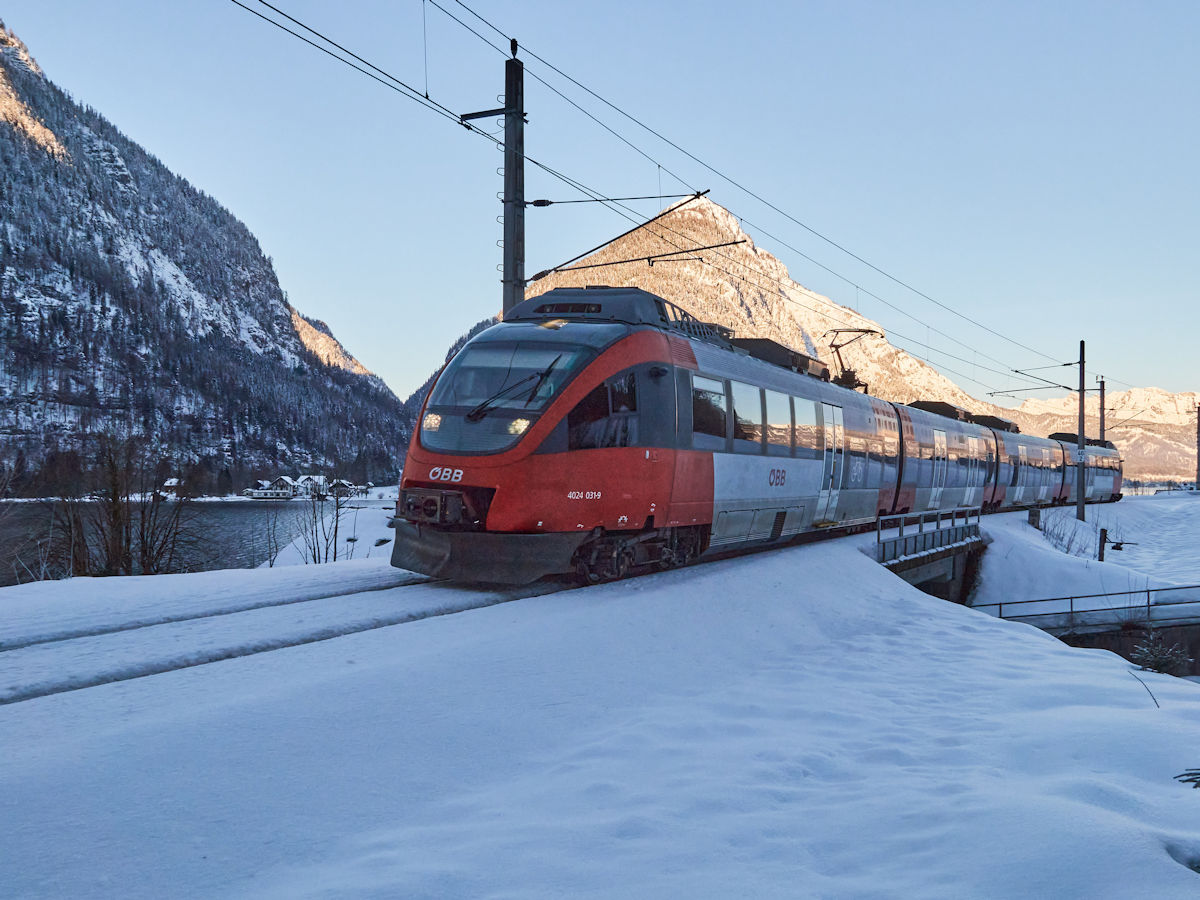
134	305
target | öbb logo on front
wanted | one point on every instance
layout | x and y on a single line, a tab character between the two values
445	473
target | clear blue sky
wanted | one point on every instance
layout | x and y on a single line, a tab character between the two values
1032	165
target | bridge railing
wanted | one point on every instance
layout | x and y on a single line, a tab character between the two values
900	536
1145	608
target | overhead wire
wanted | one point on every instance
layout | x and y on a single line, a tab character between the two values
755	195
680	178
401	87
404	89
758	197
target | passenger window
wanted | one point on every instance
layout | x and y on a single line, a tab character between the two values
779	424
747	418
606	417
808	437
709	412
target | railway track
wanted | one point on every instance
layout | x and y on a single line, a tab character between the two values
58	664
151	621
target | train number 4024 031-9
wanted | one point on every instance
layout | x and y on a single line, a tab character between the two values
583	495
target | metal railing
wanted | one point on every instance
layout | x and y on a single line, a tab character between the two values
934	531
1144	608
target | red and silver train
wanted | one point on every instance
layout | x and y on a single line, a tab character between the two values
601	430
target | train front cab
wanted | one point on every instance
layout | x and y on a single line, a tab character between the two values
494	486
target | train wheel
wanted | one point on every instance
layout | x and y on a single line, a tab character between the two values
621	563
585	573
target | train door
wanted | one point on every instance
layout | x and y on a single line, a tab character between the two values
834	436
940	464
971	491
1019	476
1044	473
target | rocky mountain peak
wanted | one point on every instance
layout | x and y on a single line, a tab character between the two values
13	109
748	289
14	48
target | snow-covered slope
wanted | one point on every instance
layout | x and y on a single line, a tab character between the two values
798	723
749	290
132	303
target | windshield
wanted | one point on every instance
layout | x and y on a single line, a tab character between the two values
522	375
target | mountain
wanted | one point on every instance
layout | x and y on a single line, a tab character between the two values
132	303
745	288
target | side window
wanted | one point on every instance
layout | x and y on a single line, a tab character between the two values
747	418
779	424
808	436
606	417
708	413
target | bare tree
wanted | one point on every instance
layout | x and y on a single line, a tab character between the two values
271	532
321	521
135	527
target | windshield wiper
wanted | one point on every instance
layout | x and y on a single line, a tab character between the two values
542	379
482	409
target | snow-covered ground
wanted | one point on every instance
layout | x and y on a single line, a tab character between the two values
1161	533
363	531
1161	550
798	723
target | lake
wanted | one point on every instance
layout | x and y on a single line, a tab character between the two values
228	534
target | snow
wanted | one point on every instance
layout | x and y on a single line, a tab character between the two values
48	610
784	724
363	526
1161	533
1023	563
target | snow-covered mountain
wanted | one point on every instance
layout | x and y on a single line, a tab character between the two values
132	303
749	290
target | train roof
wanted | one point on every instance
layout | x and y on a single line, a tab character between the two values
950	411
1073	438
633	306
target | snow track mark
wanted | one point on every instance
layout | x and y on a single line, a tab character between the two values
188	617
49	668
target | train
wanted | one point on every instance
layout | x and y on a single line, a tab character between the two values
602	431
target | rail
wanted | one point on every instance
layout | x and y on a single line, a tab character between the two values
1143	608
934	531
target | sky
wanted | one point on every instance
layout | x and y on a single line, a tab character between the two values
1029	165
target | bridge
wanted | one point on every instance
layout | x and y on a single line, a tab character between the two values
935	551
1115	621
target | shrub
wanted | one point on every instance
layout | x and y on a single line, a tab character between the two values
1156	655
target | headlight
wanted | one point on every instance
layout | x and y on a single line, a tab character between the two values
518	426
431	422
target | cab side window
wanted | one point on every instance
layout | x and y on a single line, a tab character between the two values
709	413
607	416
747	418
